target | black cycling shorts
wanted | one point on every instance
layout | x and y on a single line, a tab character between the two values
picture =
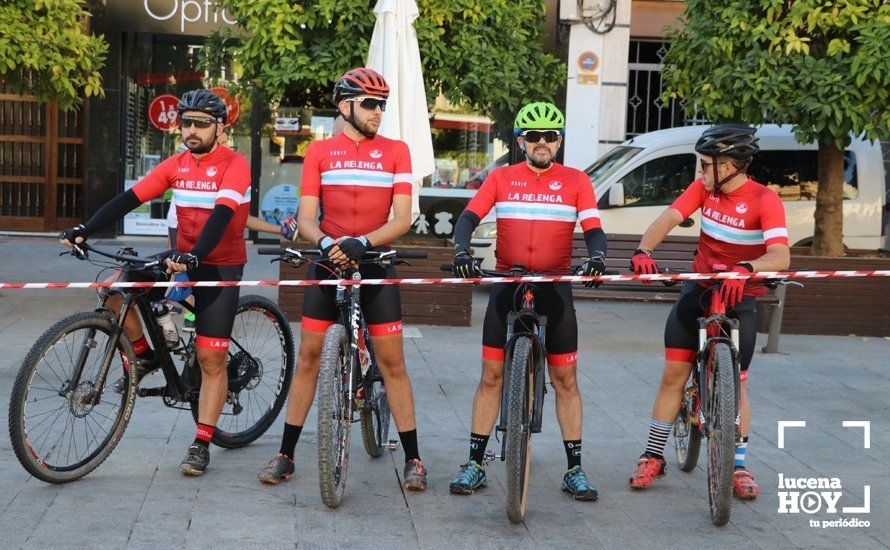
681	329
554	300
381	304
214	306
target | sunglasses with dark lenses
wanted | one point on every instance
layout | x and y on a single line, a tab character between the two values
198	122
705	165
534	136
370	103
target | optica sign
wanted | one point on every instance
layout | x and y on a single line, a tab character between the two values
189	17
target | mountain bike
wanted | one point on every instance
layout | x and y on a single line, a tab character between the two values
709	406
523	391
75	390
349	380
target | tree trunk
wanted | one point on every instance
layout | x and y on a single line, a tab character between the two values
828	239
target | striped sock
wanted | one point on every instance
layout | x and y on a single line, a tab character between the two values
658	436
741	453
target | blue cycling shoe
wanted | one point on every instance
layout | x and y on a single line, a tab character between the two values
470	477
577	484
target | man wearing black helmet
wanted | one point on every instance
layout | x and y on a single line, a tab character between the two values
743	226
353	180
211	187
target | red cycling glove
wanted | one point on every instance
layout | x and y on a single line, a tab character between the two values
643	264
732	290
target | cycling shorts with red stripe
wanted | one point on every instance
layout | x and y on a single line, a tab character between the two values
681	329
214	306
381	304
554	300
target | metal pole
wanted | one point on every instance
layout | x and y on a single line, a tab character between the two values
775	322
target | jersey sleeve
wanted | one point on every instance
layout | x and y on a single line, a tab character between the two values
403	180
588	214
484	199
691	199
310	183
234	189
157	181
772	219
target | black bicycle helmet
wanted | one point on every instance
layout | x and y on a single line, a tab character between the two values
204	101
360	81
736	141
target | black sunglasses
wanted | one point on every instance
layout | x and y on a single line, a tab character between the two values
198	122
370	103
705	165
534	136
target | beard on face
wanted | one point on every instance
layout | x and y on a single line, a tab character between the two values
367	127
198	146
540	157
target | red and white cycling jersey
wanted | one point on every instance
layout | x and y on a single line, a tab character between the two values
536	214
355	182
220	177
735	227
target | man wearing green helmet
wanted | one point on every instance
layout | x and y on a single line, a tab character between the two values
538	202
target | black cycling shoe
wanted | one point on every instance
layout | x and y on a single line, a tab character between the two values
144	367
196	461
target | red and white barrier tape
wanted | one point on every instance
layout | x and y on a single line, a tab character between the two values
458	281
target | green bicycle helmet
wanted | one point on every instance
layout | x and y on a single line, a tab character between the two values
539	115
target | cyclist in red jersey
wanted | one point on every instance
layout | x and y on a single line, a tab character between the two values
211	186
538	204
743	225
353	180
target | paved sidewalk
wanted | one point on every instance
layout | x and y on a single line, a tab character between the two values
138	499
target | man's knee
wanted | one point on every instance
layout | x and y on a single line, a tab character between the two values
564	379
675	375
212	362
492	375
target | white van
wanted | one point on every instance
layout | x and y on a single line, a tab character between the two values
636	180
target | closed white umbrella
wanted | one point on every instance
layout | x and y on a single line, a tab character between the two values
394	54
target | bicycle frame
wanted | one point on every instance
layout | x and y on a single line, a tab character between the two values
711	331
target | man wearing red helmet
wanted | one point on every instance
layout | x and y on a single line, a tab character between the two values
353	180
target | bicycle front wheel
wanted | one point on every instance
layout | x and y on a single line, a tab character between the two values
520	384
375	416
334	415
721	416
261	363
62	428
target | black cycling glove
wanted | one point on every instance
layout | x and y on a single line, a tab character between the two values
593	266
464	265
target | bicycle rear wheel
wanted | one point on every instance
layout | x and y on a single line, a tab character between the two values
334	415
687	434
721	416
57	431
375	416
518	415
261	363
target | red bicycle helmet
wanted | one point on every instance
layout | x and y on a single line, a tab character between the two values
360	81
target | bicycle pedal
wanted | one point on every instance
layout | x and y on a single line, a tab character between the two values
489	456
392	445
150	392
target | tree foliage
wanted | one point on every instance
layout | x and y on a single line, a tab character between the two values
486	55
47	51
820	65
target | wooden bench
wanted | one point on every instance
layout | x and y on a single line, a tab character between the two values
676	253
